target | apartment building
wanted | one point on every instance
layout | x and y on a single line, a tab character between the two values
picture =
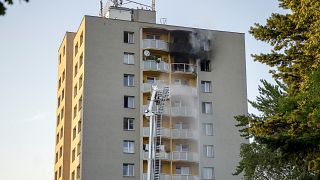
106	70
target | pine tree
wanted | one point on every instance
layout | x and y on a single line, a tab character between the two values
287	133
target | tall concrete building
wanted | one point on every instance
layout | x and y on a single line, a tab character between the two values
106	70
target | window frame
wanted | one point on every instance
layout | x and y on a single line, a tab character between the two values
128	147
128	37
127	104
208	151
208	129
126	124
129	172
206	87
207	106
128	58
128	80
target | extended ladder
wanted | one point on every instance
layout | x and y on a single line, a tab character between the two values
158	97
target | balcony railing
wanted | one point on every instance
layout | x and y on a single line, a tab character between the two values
183	90
183	111
183	68
155	44
183	134
152	65
162	156
173	133
184	156
184	177
162	177
164	132
147	86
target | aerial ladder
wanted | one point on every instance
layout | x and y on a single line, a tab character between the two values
154	113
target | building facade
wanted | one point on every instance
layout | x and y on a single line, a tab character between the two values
106	70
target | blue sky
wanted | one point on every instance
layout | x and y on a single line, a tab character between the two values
30	35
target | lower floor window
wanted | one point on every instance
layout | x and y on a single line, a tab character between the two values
128	169
183	170
208	173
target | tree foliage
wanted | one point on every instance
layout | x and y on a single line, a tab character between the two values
4	4
287	133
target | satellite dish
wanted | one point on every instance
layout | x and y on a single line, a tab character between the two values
146	53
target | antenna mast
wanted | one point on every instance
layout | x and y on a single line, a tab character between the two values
153	5
101	9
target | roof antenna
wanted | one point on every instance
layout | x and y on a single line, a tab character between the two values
153	5
101	9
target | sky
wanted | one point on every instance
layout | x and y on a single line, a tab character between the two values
30	35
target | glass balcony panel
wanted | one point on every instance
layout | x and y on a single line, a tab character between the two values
155	44
184	177
184	156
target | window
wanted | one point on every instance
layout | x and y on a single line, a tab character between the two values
128	169
61	152
75	70
79	148
182	170
58	119
59	83
80	81
182	148
128	146
205	45
128	80
57	139
74	133
60	172
57	157
81	60
73	156
205	65
81	38
64	50
181	82
59	59
78	172
128	123
56	175
128	37
75	111
207	107
128	58
206	86
208	151
63	75
73	176
76	47
62	113
80	103
208	173
75	90
59	101
79	126
61	132
62	94
153	36
181	125
151	79
129	101
208	129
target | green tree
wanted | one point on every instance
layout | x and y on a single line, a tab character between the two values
287	133
4	4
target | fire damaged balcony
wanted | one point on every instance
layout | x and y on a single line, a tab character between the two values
183	68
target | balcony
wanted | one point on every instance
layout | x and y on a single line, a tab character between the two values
183	68
164	132
152	65
147	86
155	44
173	133
184	156
162	156
162	177
184	177
182	111
183	90
183	134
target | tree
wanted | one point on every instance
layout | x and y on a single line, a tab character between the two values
287	133
3	6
